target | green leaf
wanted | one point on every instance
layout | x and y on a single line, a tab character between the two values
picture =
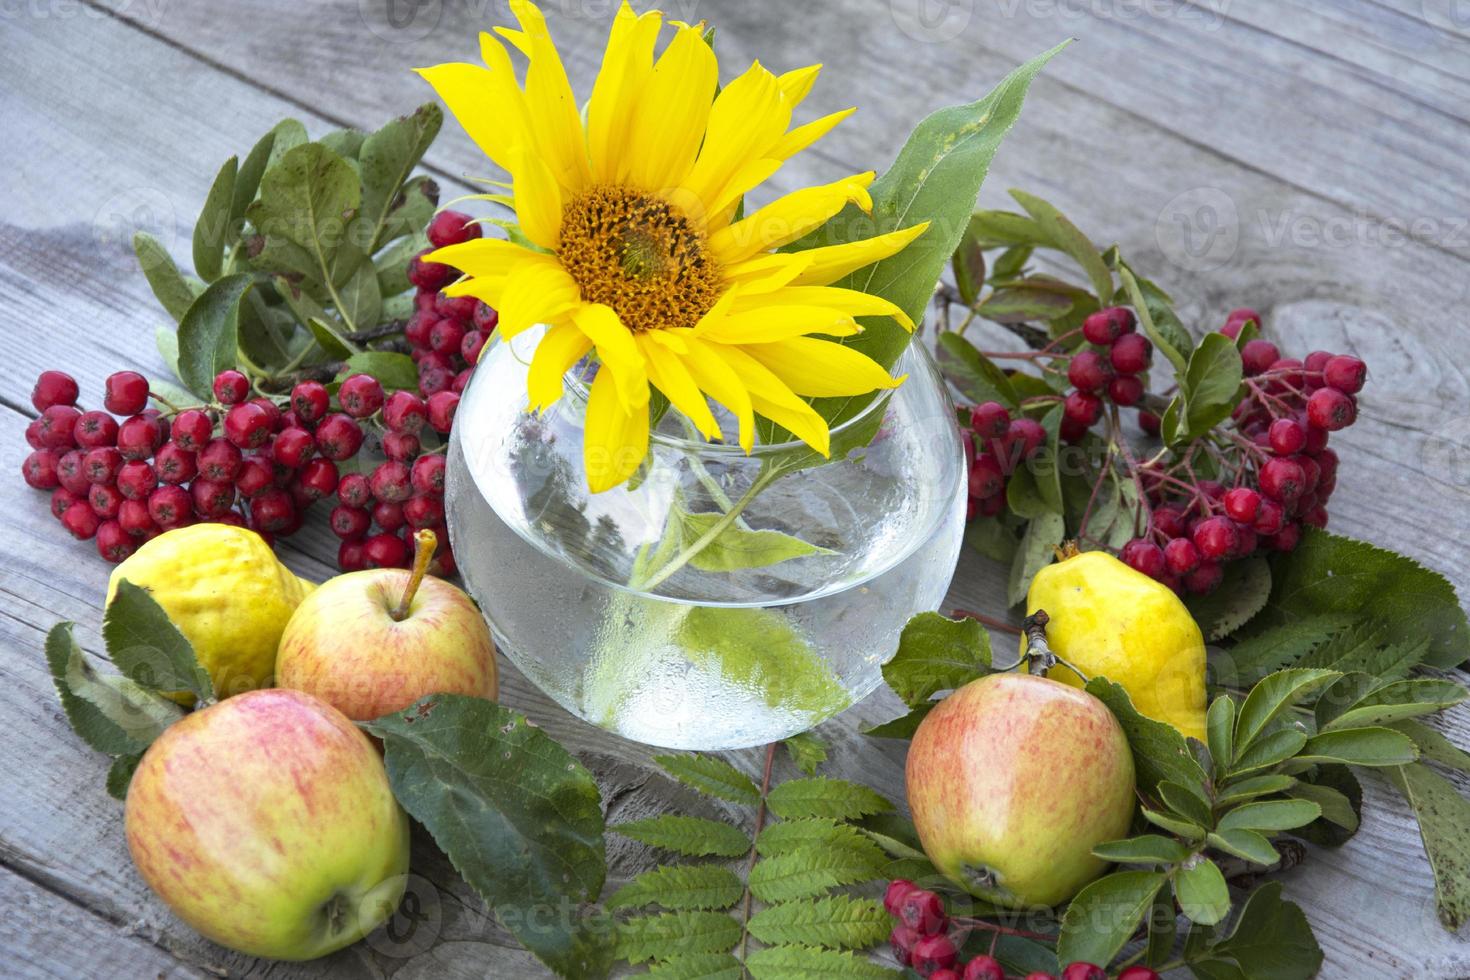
160	389
681	886
1274	647
1369	648
1186	802
1272	815
1021	305
698	966
164	278
1187	829
1444	826
1202	892
517	815
1067	238
712	776
835	922
935	178
214	227
659	937
1246	844
760	650
362	303
1242	593
120	775
1102	916
1145	849
111	714
736	547
785	836
395	371
1163	926
1399	700
819	796
387	159
1331	574
690	836
1220	729
209	332
968	265
1434	747
285	136
976	376
807	750
1268	699
1012	262
902	727
329	339
812	870
247	179
1338	793
1160	753
1252	787
1360	747
346	143
1038	547
1171	341
1271	940
1269	750
147	647
805	963
308	197
936	654
1211	387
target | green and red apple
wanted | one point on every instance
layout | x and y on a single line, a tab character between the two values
1012	780
373	642
266	822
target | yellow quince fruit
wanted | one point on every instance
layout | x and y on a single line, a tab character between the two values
226	592
1113	621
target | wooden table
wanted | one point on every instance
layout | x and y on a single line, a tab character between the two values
1311	159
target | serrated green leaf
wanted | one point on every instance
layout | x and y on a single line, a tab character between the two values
736	547
1398	701
819	796
1271	940
1220	729
1246	844
712	776
1242	593
1272	815
935	178
806	963
387	159
168	284
689	836
1360	747
1275	647
975	375
1269	750
1268	699
1202	892
812	870
69	669
147	647
681	886
1144	849
1444	826
1068	239
1102	916
1328	573
209	333
1173	824
669	934
1159	752
807	750
790	835
1038	546
215	227
517	815
698	966
1252	787
120	775
834	922
937	654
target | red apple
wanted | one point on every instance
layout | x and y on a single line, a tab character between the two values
1012	780
373	642
266	822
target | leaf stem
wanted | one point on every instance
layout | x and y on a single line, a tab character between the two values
645	582
760	823
991	621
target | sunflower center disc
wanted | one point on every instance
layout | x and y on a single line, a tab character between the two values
640	255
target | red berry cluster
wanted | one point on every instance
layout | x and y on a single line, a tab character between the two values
1279	470
995	445
445	333
1107	368
928	941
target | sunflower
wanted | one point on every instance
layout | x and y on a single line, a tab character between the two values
632	243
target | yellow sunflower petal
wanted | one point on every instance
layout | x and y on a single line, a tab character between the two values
626	67
770	396
767	271
820	368
830	263
850	302
767	324
562	346
536	289
706	363
748	116
797	83
617	349
481	256
672	113
615	438
538	200
488	104
788	218
802	137
670	376
555	119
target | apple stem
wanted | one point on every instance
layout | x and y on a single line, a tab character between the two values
425	542
1038	656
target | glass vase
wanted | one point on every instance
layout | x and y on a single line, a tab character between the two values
718	599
